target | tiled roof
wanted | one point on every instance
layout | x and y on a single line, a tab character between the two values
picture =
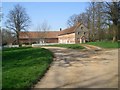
69	30
49	34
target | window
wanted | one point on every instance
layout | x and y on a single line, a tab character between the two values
84	33
81	27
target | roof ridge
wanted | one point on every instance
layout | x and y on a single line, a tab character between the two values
78	24
36	31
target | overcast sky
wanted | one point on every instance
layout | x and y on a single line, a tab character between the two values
55	13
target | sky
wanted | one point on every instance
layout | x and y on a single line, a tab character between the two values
55	14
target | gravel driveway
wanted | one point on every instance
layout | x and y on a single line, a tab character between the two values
88	68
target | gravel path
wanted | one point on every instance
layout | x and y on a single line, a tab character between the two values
91	68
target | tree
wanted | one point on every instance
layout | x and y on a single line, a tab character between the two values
93	19
112	10
0	26
73	20
88	21
0	37
17	20
42	29
8	37
100	20
1	15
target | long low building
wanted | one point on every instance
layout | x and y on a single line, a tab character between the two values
38	37
75	34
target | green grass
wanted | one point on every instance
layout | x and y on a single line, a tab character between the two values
106	44
72	46
0	69
22	67
118	44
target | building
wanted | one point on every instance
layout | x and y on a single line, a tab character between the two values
75	34
38	37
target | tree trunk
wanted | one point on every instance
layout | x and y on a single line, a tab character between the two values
114	39
114	33
18	41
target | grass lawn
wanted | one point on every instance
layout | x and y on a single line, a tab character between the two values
72	46
0	68
106	44
118	44
23	66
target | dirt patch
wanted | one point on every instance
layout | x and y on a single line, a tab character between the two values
82	69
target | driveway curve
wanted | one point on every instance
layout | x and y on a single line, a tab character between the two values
88	68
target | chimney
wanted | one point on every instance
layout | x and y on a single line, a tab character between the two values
60	29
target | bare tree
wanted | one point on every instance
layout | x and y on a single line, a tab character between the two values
93	19
87	18
88	21
42	31
0	26
1	14
8	37
100	20
112	10
17	20
73	20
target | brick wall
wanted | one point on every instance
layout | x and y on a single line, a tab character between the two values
80	32
37	40
52	40
67	38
